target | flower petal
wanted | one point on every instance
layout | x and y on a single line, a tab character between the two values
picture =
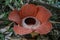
21	30
43	14
28	10
14	16
44	28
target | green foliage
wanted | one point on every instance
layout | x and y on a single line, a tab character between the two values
5	15
2	36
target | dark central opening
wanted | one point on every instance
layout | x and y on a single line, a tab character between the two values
30	21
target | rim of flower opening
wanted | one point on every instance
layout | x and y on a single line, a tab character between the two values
30	22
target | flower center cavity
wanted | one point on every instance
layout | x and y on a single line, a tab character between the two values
30	21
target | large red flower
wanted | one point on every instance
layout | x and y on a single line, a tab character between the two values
31	18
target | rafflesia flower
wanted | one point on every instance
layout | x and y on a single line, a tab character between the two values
31	18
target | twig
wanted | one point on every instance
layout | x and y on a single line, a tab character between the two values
11	7
54	22
10	24
21	2
46	5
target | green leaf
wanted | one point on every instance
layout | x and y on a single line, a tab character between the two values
10	30
5	16
7	2
2	36
2	15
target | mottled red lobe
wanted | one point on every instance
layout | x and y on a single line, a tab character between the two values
14	16
44	28
28	10
43	14
20	30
